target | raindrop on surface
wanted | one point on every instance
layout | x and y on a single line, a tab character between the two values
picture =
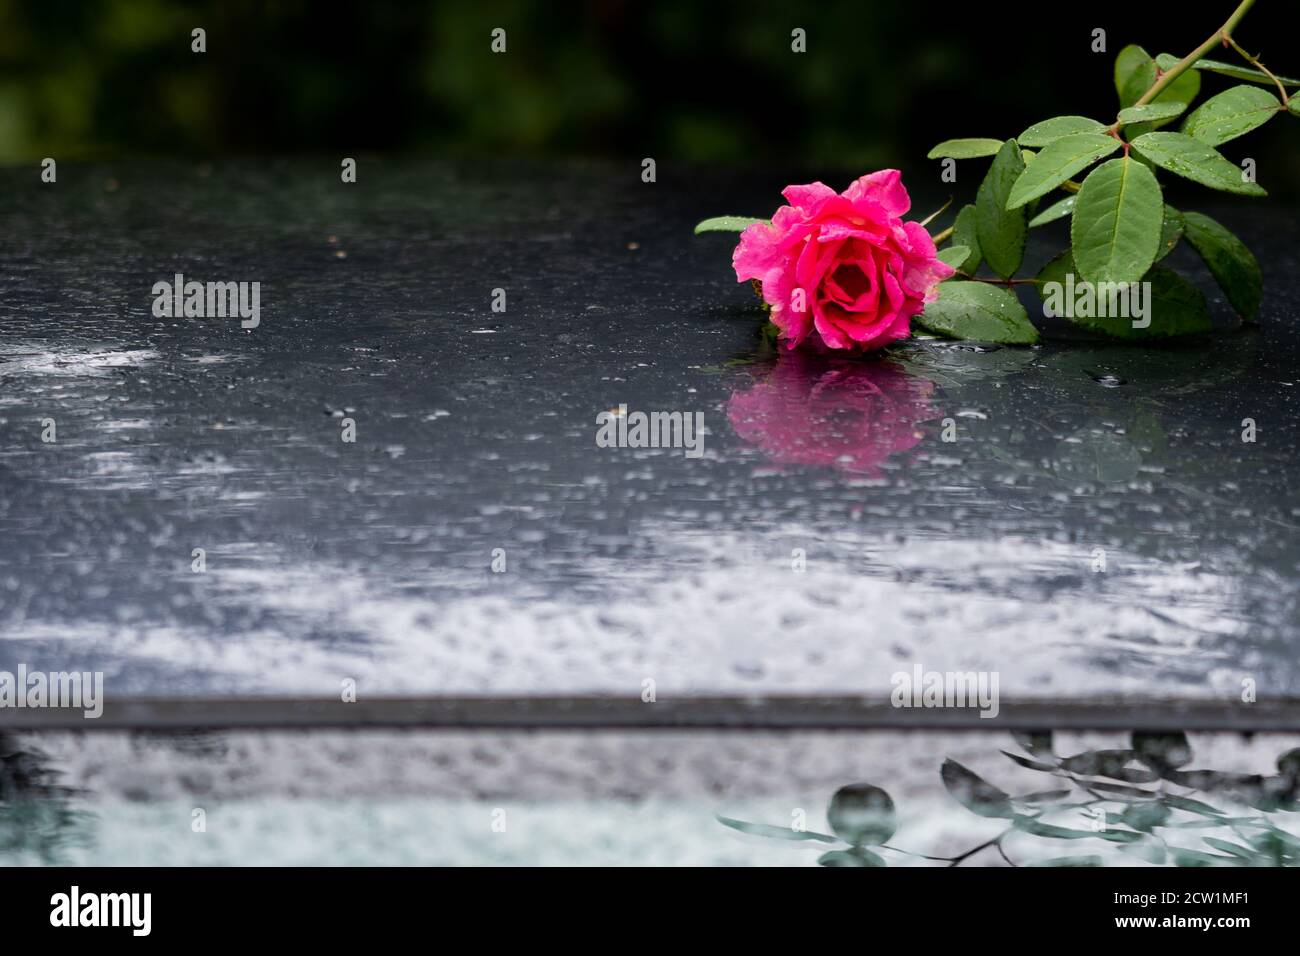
750	670
1107	380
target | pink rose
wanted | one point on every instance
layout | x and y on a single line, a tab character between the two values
843	265
844	413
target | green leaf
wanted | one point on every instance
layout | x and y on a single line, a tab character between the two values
1173	306
1058	162
979	312
1288	764
1122	790
965	149
726	224
1087	860
1177	306
1151	851
1242	73
1190	805
857	856
974	792
1232	264
1054	283
1236	849
1036	742
1166	62
778	833
1135	71
1029	764
1182	90
1232	113
1044	133
1151	111
1145	816
1171	230
1293	104
1107	763
862	815
953	255
1274	836
1115	230
1002	231
1195	858
1196	161
1038	828
1043	796
965	233
1162	751
1057	210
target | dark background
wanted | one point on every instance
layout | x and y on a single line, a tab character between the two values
679	80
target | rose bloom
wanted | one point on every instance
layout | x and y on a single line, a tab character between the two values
845	266
832	411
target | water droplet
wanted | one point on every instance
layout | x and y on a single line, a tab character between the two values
1107	380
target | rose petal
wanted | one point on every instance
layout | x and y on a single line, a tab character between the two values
885	187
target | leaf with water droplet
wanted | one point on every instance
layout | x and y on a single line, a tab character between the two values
1196	161
1230	114
1242	73
1135	71
1173	305
979	312
965	149
1231	263
1171	230
1151	111
1057	210
1182	90
974	792
1046	132
1115	228
1002	231
1058	162
726	224
953	255
1177	306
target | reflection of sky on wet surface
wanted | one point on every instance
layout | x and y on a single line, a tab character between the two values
648	798
371	560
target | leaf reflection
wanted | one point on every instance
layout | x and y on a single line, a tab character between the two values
1142	800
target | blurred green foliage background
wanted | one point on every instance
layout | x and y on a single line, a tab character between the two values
684	79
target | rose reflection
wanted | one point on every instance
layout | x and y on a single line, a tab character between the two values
851	414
